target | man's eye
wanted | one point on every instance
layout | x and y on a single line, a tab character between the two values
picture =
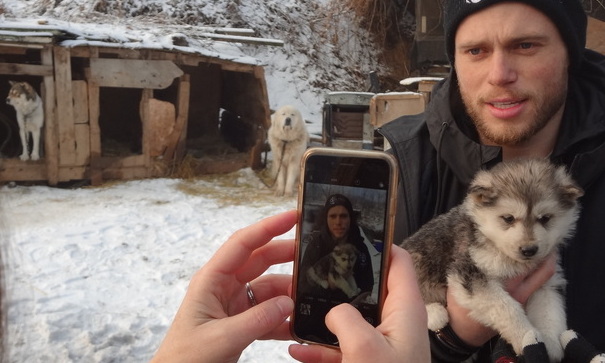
526	45
474	51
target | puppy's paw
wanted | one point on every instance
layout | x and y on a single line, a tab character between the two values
437	316
553	346
24	157
533	348
577	349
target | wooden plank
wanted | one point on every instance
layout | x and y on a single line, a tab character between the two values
88	51
189	59
51	136
131	173
259	73
29	38
176	143
144	114
211	29
133	73
385	107
263	95
26	69
242	39
73	173
80	102
122	162
96	174
184	99
17	170
82	144
12	49
64	99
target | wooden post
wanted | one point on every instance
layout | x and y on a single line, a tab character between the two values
96	172
255	161
51	137
65	123
146	95
81	123
182	117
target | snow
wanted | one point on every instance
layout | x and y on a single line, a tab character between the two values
96	274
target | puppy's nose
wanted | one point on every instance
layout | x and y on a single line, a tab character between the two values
8	100
287	121
528	251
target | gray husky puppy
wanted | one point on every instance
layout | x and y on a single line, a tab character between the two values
514	216
335	270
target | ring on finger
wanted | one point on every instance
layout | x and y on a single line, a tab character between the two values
250	294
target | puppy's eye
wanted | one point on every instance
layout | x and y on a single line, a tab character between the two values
543	220
508	219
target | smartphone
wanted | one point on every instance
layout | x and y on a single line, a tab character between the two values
346	205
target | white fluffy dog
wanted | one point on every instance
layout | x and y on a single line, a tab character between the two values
30	116
288	138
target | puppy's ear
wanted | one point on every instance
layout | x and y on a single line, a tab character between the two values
482	190
12	83
568	189
483	196
571	192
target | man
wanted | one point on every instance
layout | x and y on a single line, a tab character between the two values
522	85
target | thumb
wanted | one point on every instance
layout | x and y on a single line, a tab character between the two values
347	323
259	320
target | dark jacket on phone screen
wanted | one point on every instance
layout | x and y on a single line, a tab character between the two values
439	153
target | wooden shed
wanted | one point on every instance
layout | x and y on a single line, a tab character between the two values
126	111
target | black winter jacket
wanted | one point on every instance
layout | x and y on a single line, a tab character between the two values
439	153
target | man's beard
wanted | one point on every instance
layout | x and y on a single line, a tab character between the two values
547	106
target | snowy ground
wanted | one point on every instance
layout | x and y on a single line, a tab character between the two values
96	274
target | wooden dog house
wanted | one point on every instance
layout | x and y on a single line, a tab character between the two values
116	111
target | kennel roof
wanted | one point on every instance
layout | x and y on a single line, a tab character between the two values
221	43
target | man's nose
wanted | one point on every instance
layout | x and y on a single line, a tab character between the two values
502	69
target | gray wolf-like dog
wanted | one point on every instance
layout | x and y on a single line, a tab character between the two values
335	270
514	216
30	116
288	139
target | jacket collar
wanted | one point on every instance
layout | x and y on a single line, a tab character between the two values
456	146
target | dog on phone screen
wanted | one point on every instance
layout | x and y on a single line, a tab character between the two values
335	270
288	139
30	116
514	216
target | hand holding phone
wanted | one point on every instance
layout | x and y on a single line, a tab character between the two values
398	338
346	210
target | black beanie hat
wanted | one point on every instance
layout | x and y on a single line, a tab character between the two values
339	199
567	15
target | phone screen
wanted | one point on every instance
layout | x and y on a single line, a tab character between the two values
343	238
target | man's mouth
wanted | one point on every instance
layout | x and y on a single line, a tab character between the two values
504	105
506	108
